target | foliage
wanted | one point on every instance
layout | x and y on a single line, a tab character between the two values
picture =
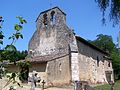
105	43
24	70
12	80
113	7
13	55
10	52
115	55
18	27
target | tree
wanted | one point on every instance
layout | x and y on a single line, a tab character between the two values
24	71
10	52
13	56
105	43
113	7
115	55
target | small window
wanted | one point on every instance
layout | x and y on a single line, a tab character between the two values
97	61
108	64
60	68
53	17
45	19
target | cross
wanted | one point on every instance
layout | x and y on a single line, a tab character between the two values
43	82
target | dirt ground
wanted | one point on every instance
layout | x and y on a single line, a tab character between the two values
53	88
27	87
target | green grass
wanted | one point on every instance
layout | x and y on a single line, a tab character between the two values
107	87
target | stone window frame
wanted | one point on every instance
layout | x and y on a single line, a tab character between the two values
45	19
52	18
109	64
60	67
98	61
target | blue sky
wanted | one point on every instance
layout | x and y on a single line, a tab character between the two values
83	16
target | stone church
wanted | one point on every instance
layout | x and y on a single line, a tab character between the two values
60	57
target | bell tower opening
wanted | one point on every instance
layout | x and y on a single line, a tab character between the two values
52	17
45	19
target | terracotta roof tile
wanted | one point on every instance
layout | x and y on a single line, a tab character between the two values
46	58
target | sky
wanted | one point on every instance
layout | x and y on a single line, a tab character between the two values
83	16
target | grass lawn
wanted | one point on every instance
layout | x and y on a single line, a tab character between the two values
107	87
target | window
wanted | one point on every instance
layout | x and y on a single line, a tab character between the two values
60	68
108	64
45	19
97	61
53	17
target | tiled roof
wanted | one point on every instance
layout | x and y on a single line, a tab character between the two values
90	45
46	58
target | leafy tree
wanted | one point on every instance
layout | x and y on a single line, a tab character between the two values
115	55
24	71
112	7
22	54
105	43
10	52
13	56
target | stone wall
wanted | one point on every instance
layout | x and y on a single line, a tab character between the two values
12	68
89	71
44	43
108	68
75	67
40	68
51	37
58	72
92	64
